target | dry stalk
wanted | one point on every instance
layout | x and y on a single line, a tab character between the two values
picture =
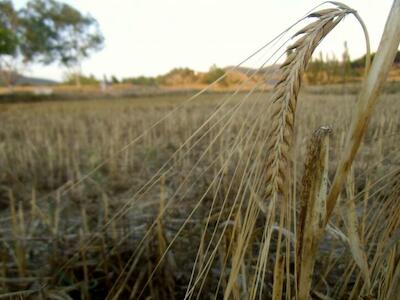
394	289
313	208
351	223
367	99
279	276
285	98
17	229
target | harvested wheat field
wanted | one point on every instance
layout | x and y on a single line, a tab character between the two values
198	200
267	191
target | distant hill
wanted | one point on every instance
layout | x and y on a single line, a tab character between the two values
21	80
265	70
25	80
268	73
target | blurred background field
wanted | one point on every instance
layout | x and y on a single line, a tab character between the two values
47	219
46	144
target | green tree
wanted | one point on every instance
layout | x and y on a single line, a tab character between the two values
114	79
314	69
346	63
8	43
141	80
332	67
8	26
213	74
70	79
56	32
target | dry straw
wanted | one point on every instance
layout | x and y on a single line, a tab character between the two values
313	207
367	99
316	206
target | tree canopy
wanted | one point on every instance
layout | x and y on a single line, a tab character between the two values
8	24
48	31
54	31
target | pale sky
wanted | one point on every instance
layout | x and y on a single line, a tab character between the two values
150	37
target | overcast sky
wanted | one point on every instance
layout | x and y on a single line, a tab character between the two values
150	37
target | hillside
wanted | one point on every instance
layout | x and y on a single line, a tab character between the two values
22	80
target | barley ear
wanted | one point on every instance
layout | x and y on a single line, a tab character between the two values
284	99
313	208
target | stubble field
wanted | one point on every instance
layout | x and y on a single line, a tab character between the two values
151	197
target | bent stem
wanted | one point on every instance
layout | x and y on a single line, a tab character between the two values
367	99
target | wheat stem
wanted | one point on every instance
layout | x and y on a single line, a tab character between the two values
367	99
313	208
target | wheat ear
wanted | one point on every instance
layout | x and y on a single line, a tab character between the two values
313	208
285	96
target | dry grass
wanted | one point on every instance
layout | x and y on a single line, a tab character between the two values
47	145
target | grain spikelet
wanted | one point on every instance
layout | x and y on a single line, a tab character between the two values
285	98
313	207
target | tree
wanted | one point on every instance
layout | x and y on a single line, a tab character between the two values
70	79
178	76
332	67
8	24
346	62
360	62
314	69
114	79
213	74
56	32
8	42
141	80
